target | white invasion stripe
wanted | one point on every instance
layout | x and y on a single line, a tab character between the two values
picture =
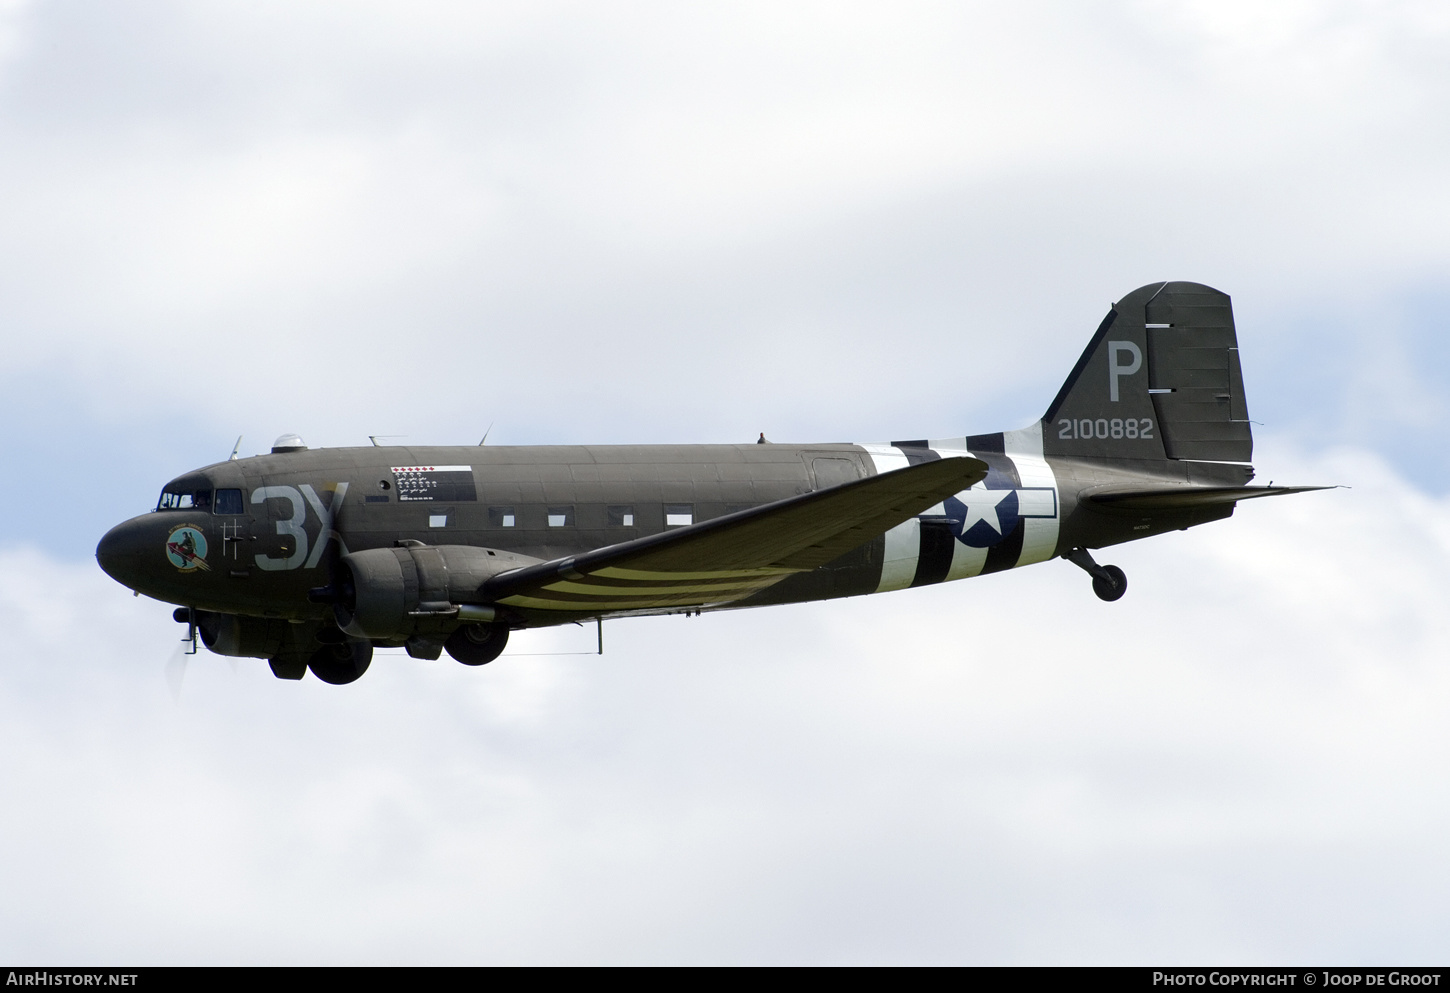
1039	536
966	561
903	542
1024	441
887	458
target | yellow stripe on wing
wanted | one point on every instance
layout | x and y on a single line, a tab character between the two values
661	589
613	572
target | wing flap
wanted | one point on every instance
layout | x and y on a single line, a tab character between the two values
731	557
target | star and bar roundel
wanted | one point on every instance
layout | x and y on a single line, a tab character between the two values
987	516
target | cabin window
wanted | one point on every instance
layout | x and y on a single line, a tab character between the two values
438	520
229	502
561	517
679	514
502	517
621	517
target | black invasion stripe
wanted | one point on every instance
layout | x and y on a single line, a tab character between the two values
987	443
935	559
1005	553
991	449
1002	474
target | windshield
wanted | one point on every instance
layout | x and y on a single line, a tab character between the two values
173	498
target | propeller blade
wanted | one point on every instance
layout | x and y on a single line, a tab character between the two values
176	670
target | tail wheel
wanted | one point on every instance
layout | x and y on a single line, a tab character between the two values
477	644
1110	584
340	664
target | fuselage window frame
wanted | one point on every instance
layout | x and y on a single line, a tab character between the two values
226	504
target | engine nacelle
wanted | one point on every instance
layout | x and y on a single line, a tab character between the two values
241	637
415	589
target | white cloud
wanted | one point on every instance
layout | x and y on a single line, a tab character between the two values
311	210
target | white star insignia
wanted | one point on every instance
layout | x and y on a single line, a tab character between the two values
982	506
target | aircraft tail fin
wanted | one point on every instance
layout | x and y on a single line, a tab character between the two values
1159	380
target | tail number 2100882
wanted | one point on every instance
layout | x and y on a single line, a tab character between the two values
1103	427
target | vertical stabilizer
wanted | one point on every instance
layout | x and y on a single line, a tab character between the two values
1159	380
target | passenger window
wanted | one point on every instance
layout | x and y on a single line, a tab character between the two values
228	502
679	514
501	517
621	517
561	517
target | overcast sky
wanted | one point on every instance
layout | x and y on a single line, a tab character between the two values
650	223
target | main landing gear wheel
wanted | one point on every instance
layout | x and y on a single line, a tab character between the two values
343	663
477	644
1110	584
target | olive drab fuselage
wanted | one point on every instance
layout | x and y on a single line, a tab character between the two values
298	510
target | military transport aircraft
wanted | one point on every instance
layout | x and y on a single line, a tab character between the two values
310	558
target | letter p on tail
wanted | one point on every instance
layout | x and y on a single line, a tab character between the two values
1117	369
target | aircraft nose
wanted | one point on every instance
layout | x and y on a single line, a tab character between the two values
120	553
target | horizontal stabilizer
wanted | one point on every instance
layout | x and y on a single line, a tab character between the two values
1188	497
731	557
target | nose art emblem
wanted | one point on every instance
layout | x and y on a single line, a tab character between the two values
186	548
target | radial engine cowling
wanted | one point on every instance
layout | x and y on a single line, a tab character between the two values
241	637
394	593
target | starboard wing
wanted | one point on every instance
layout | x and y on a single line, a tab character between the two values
728	558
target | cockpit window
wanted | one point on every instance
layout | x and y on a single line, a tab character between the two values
228	502
189	500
